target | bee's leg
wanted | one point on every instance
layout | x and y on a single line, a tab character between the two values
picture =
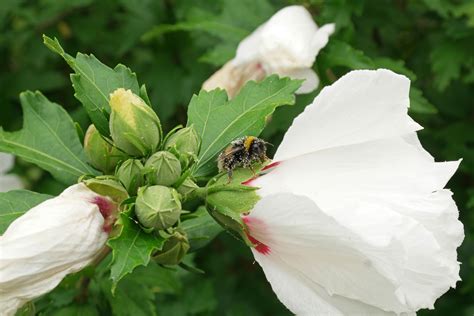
229	176
253	171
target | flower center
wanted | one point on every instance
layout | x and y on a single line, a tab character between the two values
259	246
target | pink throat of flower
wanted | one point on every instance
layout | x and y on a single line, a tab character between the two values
108	210
259	246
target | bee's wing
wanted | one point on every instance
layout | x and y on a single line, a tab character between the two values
228	152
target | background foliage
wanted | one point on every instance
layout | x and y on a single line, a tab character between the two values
174	45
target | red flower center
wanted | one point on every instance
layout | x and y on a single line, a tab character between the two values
259	246
108	209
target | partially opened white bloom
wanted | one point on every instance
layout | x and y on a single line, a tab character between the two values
57	237
354	218
287	45
8	181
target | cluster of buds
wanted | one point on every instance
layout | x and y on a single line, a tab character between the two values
138	164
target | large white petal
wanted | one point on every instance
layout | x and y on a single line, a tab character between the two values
317	266
311	80
6	162
248	50
57	237
321	37
391	166
383	191
289	39
10	182
361	106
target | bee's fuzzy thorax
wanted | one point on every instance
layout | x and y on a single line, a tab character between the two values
242	152
248	142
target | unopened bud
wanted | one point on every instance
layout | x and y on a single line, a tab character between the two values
163	168
134	126
106	186
100	154
174	249
157	207
59	236
187	187
185	141
130	173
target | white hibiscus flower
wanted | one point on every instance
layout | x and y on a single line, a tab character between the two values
287	45
8	181
62	235
353	218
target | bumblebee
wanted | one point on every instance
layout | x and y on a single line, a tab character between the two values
242	152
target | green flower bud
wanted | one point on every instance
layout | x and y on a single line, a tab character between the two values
100	154
106	186
130	173
174	249
163	168
157	207
226	201
186	140
134	126
187	187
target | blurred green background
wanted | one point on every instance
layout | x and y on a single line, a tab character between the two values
174	45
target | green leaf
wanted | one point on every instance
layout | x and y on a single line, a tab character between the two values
338	53
77	310
447	59
419	104
131	248
218	55
164	280
216	28
131	297
198	297
201	229
219	121
93	82
15	203
135	295
48	139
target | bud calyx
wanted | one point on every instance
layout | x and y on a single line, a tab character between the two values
163	168
174	249
100	154
130	174
185	140
157	207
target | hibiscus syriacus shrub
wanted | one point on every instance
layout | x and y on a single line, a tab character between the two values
350	216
